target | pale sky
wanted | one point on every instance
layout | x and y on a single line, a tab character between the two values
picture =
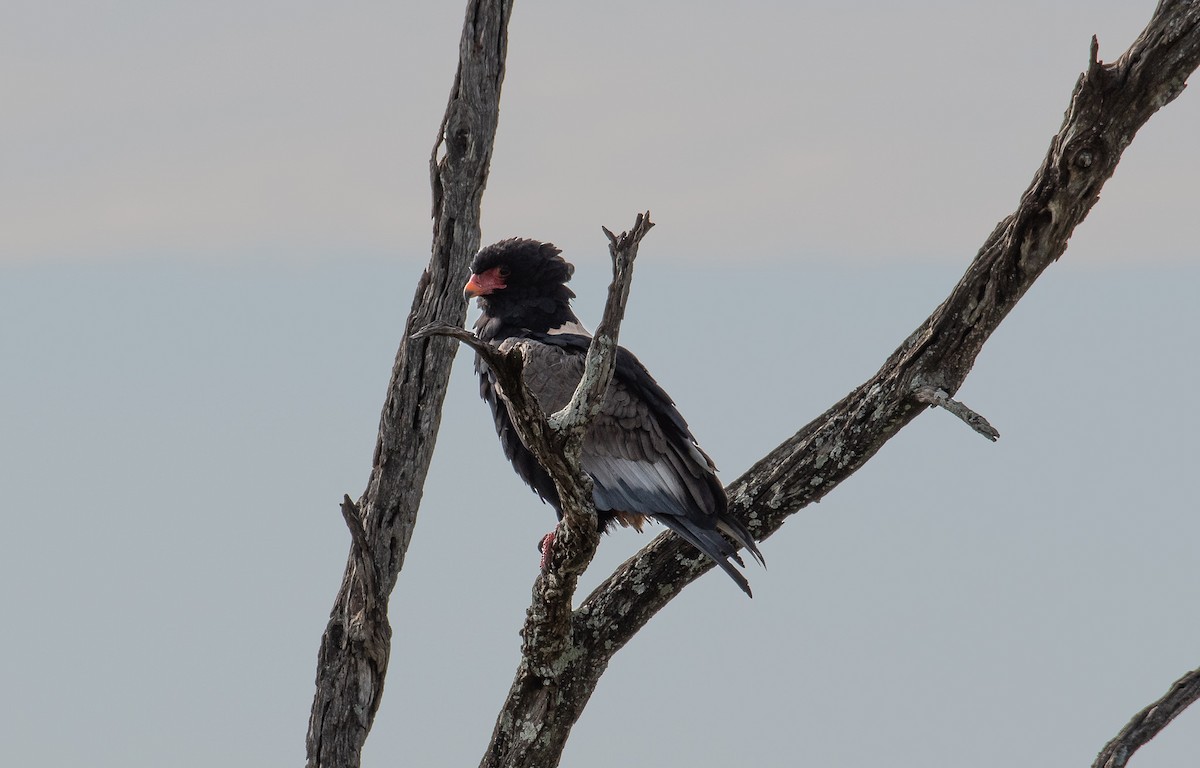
212	218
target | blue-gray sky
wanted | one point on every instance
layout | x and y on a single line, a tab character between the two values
211	221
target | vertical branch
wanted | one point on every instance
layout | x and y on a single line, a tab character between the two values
353	659
601	358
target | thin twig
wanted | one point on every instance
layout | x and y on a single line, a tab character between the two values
529	420
936	396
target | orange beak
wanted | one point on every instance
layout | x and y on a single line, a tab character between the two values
474	288
486	282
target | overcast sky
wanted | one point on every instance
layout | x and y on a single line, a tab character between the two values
212	217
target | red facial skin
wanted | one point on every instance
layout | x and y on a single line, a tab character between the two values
484	283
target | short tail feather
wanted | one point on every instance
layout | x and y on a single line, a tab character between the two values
716	547
738	532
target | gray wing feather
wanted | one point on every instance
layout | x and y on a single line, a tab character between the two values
634	465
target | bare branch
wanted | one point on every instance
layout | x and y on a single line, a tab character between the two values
598	368
1110	103
529	420
502	363
1147	724
355	647
939	397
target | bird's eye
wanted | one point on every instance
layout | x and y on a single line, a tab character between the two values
504	271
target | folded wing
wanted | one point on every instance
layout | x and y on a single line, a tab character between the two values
639	451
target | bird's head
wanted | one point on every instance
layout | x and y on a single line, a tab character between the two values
522	283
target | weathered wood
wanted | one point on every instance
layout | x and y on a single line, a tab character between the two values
353	658
1110	103
941	398
1148	723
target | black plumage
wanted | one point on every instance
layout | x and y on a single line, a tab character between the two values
639	452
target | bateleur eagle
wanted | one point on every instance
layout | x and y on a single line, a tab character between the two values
638	450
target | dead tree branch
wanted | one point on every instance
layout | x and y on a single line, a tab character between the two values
598	367
1147	724
1110	103
353	658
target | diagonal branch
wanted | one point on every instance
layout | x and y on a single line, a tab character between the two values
1147	724
1110	103
355	647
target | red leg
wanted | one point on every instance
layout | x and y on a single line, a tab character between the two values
545	547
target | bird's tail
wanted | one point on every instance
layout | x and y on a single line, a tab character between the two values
739	533
717	547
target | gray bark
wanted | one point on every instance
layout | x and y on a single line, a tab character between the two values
1147	724
353	658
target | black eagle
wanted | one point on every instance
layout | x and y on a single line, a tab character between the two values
638	450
